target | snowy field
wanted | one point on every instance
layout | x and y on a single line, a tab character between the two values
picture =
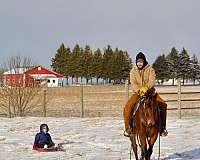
93	139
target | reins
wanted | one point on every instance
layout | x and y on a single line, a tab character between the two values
158	111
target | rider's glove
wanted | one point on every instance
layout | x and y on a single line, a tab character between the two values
143	91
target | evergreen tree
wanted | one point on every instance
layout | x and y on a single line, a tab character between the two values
67	70
195	68
121	66
61	60
81	63
184	65
172	63
97	64
75	63
57	62
161	68
127	65
107	63
87	63
113	70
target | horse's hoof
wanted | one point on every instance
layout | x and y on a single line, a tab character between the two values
126	134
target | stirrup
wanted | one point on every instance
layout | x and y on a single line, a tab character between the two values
126	134
164	133
129	135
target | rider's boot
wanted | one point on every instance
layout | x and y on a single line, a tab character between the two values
163	112
127	132
130	128
163	132
128	114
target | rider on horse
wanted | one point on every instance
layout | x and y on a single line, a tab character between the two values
143	78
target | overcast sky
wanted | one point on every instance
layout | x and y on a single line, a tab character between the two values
37	27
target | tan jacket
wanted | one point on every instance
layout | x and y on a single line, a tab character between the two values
141	78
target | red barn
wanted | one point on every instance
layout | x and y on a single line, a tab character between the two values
21	77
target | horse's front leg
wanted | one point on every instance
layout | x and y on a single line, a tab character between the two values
134	145
151	142
144	154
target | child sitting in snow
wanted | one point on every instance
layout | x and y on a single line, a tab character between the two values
43	138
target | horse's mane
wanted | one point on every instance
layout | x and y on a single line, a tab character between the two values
150	94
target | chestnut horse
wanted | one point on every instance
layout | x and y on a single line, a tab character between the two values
146	123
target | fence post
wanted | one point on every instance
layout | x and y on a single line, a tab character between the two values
127	90
82	106
179	98
44	102
9	107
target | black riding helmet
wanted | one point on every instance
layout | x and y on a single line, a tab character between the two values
44	125
141	55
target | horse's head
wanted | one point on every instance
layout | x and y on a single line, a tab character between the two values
149	110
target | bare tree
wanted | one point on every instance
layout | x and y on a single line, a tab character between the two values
19	97
1	76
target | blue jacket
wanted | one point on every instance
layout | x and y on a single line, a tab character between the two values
43	138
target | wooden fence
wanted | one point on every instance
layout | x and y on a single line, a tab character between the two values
84	106
127	91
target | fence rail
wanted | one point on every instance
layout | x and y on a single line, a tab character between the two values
184	100
185	108
163	93
85	101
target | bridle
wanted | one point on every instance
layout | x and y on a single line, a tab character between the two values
144	117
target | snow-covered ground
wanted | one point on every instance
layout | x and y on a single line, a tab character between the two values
93	139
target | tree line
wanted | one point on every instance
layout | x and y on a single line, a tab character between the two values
85	64
177	64
110	65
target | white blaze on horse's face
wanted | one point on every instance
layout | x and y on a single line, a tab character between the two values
149	112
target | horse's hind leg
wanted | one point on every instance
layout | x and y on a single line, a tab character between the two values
134	145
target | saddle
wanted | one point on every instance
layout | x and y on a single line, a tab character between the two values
151	93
